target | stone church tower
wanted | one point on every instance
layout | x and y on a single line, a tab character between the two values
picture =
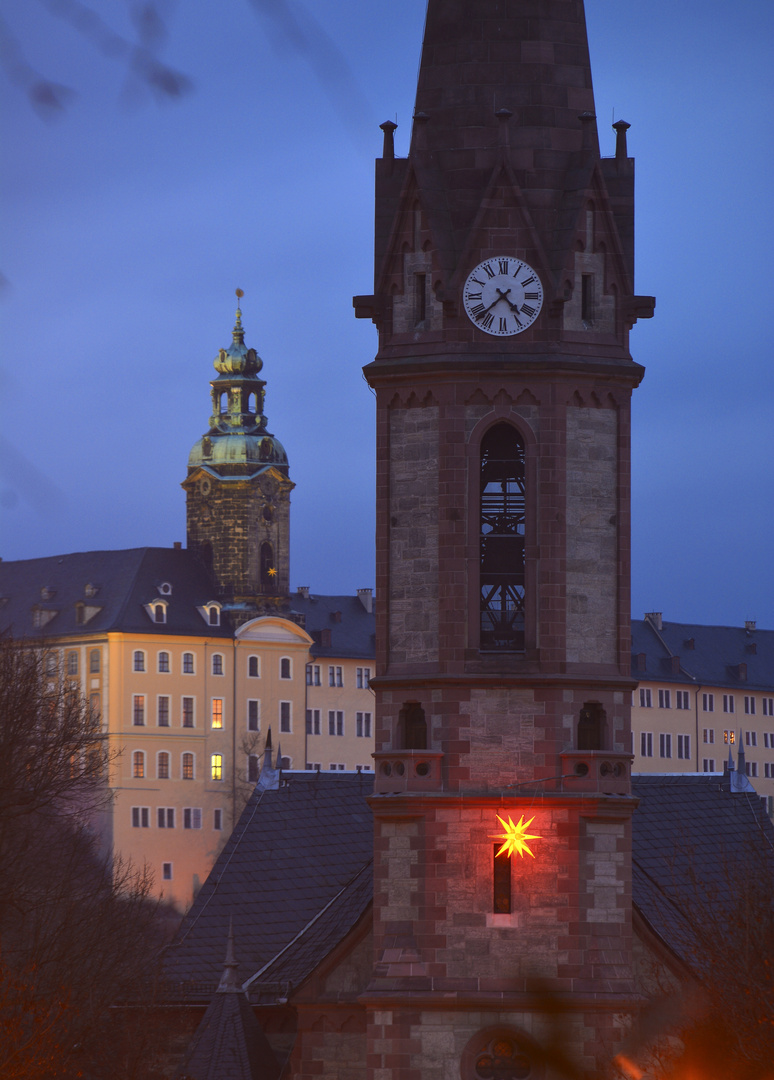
503	298
238	489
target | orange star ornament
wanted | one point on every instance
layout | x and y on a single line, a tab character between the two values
515	836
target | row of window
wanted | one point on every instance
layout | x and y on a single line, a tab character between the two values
72	661
165	817
750	737
335	766
336	724
164	764
188	664
188	713
682	701
336	676
158	612
665	745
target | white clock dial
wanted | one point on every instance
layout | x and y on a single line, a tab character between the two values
503	296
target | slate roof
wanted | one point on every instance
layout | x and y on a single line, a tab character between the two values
353	635
712	660
293	852
693	841
296	875
229	1044
125	580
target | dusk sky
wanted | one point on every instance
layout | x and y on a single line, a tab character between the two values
130	218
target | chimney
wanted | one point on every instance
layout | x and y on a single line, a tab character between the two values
335	616
303	591
654	617
177	546
366	598
690	644
750	626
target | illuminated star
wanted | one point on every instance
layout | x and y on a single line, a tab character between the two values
515	836
272	572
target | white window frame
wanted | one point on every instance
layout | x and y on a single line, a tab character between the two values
140	817
139	710
646	744
213	725
289	661
751	738
682	699
163	670
139	756
646	698
709	735
192	817
159	699
165	817
192	699
684	747
215	657
363	725
708	702
193	765
257	665
708	765
285	719
158	765
183	657
749	705
665	745
249	719
313	721
728	703
664	699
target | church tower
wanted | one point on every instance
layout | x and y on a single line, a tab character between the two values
238	489
503	299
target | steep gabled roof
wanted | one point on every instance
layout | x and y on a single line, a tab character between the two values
708	655
340	625
124	581
293	871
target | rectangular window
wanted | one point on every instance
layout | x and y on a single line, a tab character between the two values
140	817
94	708
646	744
363	724
665	745
162	711
285	672
166	871
217	820
313	721
363	678
253	714
339	677
188	663
684	747
664	699
188	766
192	817
749	705
331	676
188	712
217	712
216	766
335	722
729	737
751	738
709	735
751	768
501	883
253	667
162	765
166	817
139	661
363	768
217	664
163	662
683	699
336	766
309	675
728	703
646	699
312	765
253	769
138	710
768	706
708	702
767	771
284	717
94	657
708	764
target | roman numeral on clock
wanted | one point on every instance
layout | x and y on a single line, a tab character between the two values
527	281
530	296
488	270
487	320
529	311
477	296
477	310
503	325
503	266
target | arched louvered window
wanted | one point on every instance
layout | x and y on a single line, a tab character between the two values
502	532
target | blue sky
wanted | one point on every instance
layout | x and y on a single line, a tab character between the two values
128	223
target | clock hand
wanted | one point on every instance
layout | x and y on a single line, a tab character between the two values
502	296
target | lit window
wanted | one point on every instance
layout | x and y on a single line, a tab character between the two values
140	817
253	667
139	661
363	724
163	661
162	766
165	817
138	710
162	711
253	715
683	699
217	819
188	712
166	871
192	817
684	746
216	766
708	702
664	699
646	700
138	765
188	663
729	737
252	768
94	661
217	712
188	767
313	721
217	664
749	705
646	744
285	667
665	745
285	716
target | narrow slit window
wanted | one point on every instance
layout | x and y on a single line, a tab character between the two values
501	881
587	299
502	534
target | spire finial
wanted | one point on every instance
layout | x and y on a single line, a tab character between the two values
239	333
229	982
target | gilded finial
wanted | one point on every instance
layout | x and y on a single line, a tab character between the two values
238	324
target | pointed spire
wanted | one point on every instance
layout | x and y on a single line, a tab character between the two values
229	981
741	763
239	334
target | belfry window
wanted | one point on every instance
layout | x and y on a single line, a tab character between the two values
502	540
268	569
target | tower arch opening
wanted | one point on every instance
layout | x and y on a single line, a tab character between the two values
411	733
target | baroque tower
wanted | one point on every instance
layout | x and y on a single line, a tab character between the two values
238	489
503	299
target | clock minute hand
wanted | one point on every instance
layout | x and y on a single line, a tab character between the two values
497	299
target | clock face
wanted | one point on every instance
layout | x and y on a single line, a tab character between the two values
503	296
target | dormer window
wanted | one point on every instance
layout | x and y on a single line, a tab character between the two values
213	616
159	613
47	593
90	591
157	610
210	612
